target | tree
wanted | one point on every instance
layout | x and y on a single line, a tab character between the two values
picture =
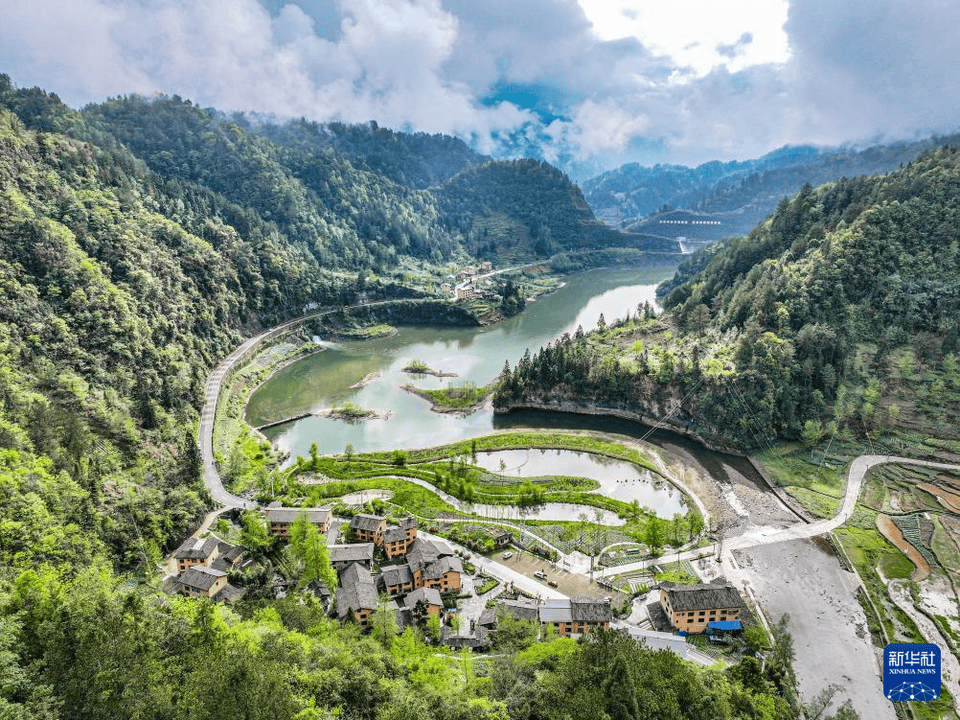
433	627
384	622
694	522
653	533
812	433
255	535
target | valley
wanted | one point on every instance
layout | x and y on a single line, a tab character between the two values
266	348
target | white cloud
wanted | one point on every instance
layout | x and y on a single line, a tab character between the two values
692	32
687	80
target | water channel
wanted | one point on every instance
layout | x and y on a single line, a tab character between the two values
477	355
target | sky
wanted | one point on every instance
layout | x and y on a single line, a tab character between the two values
587	84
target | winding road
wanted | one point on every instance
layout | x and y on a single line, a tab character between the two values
769	535
755	537
212	390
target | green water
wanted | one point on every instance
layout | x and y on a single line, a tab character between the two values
475	354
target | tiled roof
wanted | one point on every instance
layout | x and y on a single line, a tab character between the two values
229	593
365	522
590	610
357	591
420	553
394	534
393	575
199	577
713	595
351	552
196	548
431	596
521	609
290	514
436	570
480	638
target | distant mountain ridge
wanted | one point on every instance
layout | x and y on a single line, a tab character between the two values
738	194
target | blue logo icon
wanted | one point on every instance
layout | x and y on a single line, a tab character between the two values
911	671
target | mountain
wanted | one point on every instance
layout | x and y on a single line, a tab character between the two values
416	160
725	199
842	307
138	243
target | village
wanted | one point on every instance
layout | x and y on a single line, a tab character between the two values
455	595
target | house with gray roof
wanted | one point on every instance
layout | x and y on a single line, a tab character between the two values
368	528
398	538
443	574
430	598
574	616
195	551
201	581
478	639
281	519
690	608
520	609
229	557
342	556
357	593
395	579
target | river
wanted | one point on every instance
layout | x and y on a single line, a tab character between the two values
476	355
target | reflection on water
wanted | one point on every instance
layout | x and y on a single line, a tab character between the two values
475	354
618	479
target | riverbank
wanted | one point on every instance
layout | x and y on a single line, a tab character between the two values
585	408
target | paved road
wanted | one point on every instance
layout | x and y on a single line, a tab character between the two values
212	390
500	571
800	531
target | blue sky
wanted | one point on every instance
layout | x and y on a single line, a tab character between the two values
589	82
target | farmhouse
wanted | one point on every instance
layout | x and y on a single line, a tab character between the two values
196	551
501	538
690	608
368	528
430	598
342	556
357	594
281	519
397	539
201	581
574	616
395	579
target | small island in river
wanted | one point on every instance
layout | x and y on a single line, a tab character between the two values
419	367
354	413
461	399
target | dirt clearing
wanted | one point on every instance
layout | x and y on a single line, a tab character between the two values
827	623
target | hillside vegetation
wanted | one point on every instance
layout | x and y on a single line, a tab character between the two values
138	242
843	306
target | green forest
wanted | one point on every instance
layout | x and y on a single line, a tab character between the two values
840	313
139	242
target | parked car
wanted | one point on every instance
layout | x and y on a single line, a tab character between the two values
552	583
540	574
507	555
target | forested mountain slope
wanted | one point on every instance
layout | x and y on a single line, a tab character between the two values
123	279
809	318
417	160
